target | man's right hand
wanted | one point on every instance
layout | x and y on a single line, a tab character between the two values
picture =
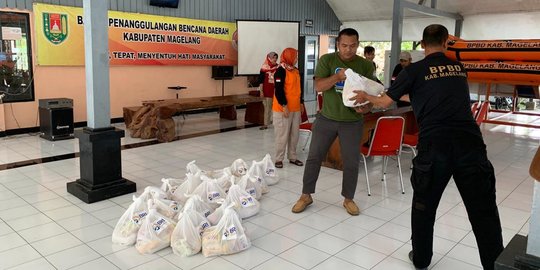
341	75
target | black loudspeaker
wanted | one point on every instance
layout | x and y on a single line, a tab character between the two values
222	72
56	122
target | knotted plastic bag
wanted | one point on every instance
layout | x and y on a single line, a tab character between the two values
251	185
188	187
186	237
244	204
227	237
169	185
155	232
356	81
168	208
196	203
210	191
125	231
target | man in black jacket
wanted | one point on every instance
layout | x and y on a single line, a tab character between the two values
450	144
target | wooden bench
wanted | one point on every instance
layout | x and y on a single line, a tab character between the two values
157	114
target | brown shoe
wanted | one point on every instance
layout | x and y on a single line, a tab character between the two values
302	203
351	207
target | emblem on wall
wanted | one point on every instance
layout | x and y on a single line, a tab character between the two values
55	27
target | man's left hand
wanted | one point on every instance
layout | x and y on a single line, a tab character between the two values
360	97
364	108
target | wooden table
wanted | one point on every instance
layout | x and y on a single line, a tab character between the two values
158	114
333	158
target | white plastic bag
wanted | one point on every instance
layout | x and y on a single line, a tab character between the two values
244	204
210	191
356	81
125	231
169	185
186	237
257	171
192	168
168	208
186	188
196	203
224	181
239	167
155	232
251	185
227	237
269	169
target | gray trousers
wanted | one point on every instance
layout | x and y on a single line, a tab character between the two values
324	132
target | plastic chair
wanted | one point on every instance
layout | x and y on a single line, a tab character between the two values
410	141
305	126
474	109
482	112
387	141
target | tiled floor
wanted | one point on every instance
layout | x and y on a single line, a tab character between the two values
44	227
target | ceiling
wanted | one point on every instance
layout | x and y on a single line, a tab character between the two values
371	10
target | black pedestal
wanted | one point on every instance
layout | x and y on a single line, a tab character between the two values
514	256
101	166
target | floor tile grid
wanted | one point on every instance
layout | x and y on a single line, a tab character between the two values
336	206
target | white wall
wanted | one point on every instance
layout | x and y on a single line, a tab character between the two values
486	26
502	26
382	30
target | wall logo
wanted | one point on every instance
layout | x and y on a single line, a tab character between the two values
55	27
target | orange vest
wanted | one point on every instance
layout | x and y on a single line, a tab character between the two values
292	92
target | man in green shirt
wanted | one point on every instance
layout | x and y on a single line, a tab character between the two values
336	120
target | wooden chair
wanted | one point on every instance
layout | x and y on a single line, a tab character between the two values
387	141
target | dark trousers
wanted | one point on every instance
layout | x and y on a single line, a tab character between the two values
324	132
467	162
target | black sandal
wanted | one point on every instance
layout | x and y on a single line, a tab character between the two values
296	162
279	164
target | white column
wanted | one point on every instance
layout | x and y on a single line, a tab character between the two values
96	51
533	241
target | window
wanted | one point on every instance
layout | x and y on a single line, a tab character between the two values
16	77
331	44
